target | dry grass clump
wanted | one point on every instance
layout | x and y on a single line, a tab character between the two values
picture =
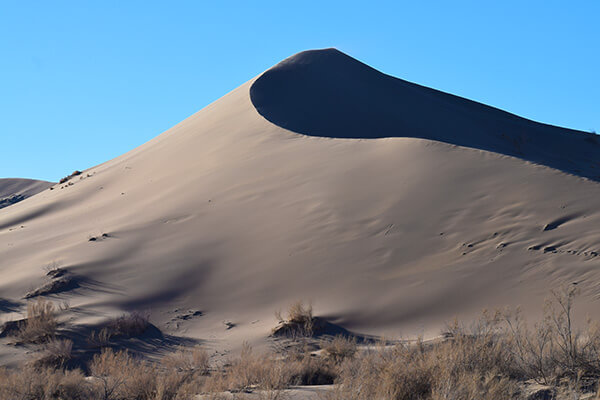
117	375
252	371
66	178
300	313
44	383
189	362
457	369
100	339
554	349
340	348
299	320
128	325
56	353
269	375
493	359
308	369
40	324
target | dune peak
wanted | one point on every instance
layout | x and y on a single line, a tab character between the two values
327	93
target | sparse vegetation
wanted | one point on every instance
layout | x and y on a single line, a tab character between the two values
40	324
188	361
340	348
100	339
56	353
252	370
32	382
66	178
117	375
299	320
128	325
498	357
55	285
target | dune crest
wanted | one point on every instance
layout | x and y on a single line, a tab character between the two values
328	93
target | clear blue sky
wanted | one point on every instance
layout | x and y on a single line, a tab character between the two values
82	82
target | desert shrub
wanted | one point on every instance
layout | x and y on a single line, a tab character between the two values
442	371
269	374
307	369
117	375
128	325
113	375
299	320
40	324
44	383
554	349
188	362
340	348
56	353
100	339
252	371
468	385
469	363
66	178
73	386
530	349
300	313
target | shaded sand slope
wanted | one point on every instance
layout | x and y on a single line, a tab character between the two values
327	93
228	217
13	190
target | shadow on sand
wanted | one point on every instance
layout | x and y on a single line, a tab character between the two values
327	93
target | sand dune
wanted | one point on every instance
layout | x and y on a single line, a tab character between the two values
273	194
13	190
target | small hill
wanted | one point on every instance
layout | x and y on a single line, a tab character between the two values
13	190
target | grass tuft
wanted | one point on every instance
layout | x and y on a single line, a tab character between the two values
40	324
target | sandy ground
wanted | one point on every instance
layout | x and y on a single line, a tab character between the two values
294	393
228	217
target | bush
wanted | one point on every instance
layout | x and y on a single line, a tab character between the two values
250	370
300	313
308	369
128	325
40	324
100	339
117	375
188	362
340	348
298	322
56	353
448	370
68	177
44	383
